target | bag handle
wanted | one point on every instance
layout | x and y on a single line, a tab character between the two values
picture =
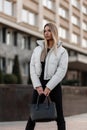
47	98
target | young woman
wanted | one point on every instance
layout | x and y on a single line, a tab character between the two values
48	67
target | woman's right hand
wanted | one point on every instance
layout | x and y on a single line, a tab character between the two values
39	90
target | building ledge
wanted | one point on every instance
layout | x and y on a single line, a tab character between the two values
75	48
12	22
8	17
78	62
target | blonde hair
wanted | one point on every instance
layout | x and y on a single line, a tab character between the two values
54	32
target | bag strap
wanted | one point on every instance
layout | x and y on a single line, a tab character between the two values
47	99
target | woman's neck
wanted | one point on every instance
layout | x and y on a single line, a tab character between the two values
50	44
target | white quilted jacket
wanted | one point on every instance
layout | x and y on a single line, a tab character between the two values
55	65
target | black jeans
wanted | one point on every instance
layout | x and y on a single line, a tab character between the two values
56	96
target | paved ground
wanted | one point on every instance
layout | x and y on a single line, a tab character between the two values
77	122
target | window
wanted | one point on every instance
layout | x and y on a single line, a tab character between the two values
74	38
84	43
63	12
24	43
3	64
8	7
45	21
62	33
1	5
84	9
75	20
29	17
4	35
29	43
25	69
14	8
48	3
24	15
33	41
9	66
75	3
84	26
8	38
15	38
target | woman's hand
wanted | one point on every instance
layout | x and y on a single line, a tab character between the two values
39	90
47	91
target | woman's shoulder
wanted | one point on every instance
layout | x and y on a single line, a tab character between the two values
61	49
36	49
40	45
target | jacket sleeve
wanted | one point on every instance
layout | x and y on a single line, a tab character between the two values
61	71
35	79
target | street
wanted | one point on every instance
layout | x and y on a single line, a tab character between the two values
77	122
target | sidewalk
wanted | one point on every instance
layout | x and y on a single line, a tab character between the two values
77	122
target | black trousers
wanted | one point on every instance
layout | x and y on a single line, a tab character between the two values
56	96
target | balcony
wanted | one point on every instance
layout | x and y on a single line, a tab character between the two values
78	62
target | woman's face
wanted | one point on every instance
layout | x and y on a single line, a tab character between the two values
47	33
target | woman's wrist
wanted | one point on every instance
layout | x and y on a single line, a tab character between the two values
47	91
39	90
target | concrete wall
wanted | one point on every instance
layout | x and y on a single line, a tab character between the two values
15	100
74	100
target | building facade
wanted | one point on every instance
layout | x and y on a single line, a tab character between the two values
21	24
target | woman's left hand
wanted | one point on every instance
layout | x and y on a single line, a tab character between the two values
47	91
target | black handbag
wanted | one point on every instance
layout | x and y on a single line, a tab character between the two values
45	111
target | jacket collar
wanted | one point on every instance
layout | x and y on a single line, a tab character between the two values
42	42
